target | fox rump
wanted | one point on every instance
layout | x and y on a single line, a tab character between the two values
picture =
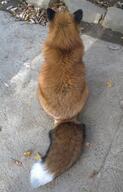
66	145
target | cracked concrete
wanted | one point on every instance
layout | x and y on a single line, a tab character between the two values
24	125
113	19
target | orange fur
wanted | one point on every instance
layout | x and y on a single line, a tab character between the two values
63	89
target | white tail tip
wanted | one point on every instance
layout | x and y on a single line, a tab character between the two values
40	175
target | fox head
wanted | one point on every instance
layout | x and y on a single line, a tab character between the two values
64	28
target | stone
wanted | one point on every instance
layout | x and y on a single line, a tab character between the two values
91	13
114	19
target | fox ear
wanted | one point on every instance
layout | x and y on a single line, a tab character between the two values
50	14
78	15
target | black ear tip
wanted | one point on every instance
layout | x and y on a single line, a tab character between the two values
78	15
50	13
80	11
49	9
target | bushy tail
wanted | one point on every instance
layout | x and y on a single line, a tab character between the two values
66	144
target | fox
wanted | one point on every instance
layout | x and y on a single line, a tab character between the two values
66	145
63	89
62	93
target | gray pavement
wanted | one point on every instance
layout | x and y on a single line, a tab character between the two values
24	125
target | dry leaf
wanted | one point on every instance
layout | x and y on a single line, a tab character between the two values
109	84
93	174
28	153
37	156
17	162
10	7
88	145
4	2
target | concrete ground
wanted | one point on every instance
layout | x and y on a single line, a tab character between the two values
24	125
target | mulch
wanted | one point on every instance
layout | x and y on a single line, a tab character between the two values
108	3
27	12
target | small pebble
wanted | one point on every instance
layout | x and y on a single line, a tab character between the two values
27	65
114	47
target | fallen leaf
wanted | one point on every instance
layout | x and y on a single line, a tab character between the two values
37	156
28	153
93	174
17	162
10	7
109	84
88	145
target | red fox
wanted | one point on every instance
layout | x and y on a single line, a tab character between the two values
66	145
63	89
62	92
